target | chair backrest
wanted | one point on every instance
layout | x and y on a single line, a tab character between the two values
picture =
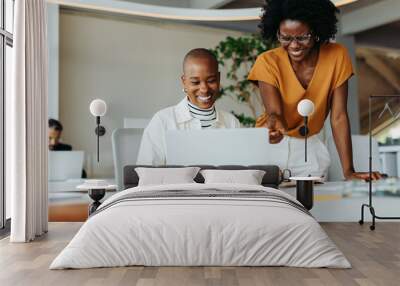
360	157
125	145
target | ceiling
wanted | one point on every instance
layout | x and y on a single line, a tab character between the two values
205	4
386	36
233	4
237	4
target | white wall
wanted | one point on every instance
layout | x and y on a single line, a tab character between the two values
52	32
352	102
133	65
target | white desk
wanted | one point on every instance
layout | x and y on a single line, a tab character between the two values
390	158
67	192
341	201
65	186
71	185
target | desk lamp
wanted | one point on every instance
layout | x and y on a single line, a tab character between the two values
98	108
305	108
304	185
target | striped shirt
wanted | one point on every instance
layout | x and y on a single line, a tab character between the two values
207	117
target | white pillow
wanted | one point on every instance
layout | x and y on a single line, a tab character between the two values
248	177
165	176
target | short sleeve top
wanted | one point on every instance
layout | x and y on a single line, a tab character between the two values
333	68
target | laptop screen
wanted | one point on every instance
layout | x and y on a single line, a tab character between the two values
64	165
239	146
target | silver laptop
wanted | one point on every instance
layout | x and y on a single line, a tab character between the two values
64	165
241	146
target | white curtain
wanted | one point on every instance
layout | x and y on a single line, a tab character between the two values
27	123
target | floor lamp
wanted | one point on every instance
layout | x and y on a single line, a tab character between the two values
98	108
305	185
370	205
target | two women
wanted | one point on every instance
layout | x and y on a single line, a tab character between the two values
307	65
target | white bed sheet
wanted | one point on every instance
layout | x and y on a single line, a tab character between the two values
200	231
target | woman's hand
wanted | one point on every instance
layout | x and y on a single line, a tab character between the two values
362	176
341	133
272	99
277	129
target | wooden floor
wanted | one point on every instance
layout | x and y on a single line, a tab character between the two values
374	255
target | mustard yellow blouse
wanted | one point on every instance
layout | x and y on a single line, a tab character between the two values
332	70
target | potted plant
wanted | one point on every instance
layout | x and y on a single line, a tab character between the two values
238	55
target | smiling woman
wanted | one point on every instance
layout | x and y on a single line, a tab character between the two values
196	110
201	78
305	66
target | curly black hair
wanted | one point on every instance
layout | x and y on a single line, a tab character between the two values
319	15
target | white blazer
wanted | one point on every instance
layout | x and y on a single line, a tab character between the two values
153	146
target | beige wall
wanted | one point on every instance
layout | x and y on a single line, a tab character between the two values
133	65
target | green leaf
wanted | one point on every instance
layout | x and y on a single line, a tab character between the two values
237	54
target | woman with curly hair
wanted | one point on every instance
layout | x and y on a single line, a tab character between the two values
306	65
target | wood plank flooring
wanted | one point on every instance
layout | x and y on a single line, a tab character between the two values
375	257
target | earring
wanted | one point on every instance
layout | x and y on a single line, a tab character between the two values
184	90
317	39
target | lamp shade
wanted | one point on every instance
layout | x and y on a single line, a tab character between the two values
305	107
98	107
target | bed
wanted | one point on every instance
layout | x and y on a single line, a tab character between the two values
201	224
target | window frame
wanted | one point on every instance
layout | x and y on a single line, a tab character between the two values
6	39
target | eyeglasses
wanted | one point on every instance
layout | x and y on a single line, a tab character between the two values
286	40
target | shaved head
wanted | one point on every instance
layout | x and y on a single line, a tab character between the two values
200	77
200	54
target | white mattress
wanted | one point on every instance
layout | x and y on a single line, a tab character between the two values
189	231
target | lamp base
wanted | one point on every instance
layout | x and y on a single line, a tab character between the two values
100	130
305	193
303	130
96	195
